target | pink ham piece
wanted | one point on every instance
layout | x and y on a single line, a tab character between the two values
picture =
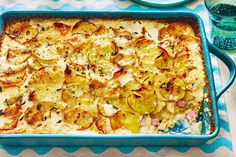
191	116
155	122
143	121
181	103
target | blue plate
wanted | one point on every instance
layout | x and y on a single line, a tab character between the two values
161	3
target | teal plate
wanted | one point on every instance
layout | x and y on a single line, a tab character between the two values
161	3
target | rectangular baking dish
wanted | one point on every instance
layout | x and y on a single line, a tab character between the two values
138	139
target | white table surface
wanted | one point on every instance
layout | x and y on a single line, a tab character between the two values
230	100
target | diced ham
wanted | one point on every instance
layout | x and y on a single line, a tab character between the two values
143	121
181	103
155	121
191	116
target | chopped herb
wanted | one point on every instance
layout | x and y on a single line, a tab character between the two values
0	89
139	22
26	86
82	72
169	86
53	108
121	27
75	121
116	108
110	27
68	71
23	102
39	125
44	118
149	35
113	53
39	106
42	29
84	30
21	118
59	121
1	113
79	104
27	32
58	89
49	44
135	32
6	102
58	112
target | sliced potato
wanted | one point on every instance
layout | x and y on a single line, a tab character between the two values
127	120
8	93
83	119
13	79
47	83
74	70
170	106
77	40
66	50
108	107
141	42
101	30
48	49
176	29
172	89
17	56
163	76
131	122
187	44
148	54
109	89
97	88
160	105
22	31
168	86
142	101
102	70
168	45
102	49
103	124
163	61
147	57
34	114
11	116
84	27
115	121
76	91
81	50
122	33
7	69
143	73
61	27
132	85
188	95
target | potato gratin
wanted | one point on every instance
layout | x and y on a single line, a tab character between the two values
100	76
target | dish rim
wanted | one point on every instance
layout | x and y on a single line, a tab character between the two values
133	14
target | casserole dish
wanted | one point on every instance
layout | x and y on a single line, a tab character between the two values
138	139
